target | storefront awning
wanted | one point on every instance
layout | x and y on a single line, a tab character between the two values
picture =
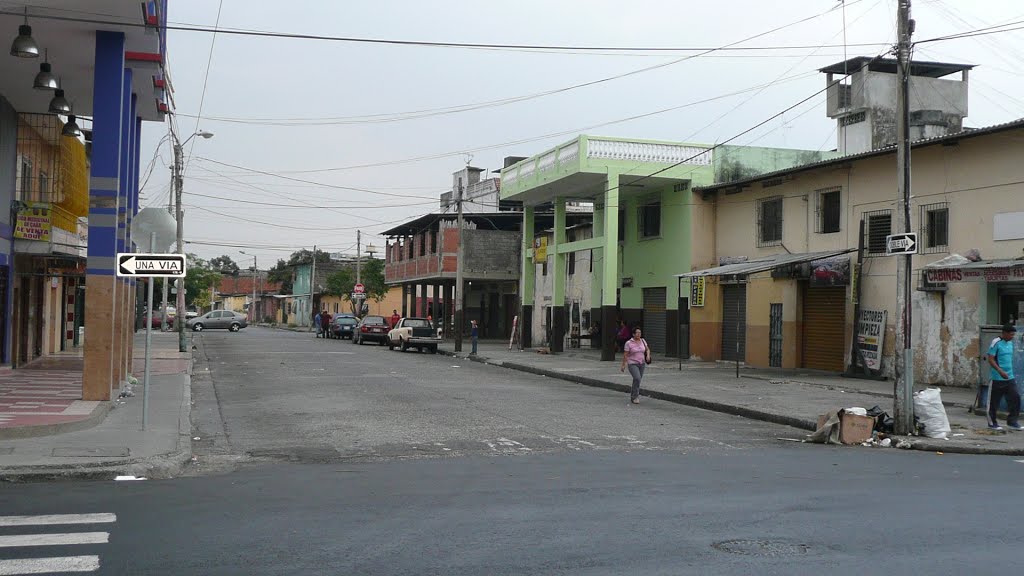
765	263
956	268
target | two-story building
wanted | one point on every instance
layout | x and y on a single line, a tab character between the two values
781	282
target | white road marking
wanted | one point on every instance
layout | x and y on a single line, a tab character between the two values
57	519
1019	461
50	565
54	539
506	446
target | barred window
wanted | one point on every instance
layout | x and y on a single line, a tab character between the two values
829	210
769	221
650	220
877	227
935	221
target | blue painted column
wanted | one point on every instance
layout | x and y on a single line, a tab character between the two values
125	153
128	198
104	183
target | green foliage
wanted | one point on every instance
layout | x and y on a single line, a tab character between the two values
200	276
342	282
224	265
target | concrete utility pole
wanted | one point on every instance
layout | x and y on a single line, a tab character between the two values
165	281
903	408
458	276
180	282
359	256
255	275
312	289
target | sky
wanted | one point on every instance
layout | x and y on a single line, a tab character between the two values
298	122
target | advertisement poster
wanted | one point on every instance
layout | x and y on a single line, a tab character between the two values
871	337
33	222
830	272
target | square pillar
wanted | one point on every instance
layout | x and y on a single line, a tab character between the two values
609	266
133	207
423	301
558	271
405	300
125	154
527	279
104	183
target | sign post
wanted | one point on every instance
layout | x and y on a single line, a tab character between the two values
151	266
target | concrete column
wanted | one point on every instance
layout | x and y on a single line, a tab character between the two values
438	305
449	322
609	266
596	278
133	285
108	101
558	271
126	154
527	279
423	300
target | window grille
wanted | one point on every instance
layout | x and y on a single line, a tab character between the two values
828	209
769	221
935	228
877	227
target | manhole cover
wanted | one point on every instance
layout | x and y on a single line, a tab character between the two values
764	548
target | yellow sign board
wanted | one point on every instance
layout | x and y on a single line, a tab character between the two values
33	222
540	249
697	290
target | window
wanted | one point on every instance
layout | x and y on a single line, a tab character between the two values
335	307
433	242
769	221
935	220
423	244
409	246
829	209
650	220
878	225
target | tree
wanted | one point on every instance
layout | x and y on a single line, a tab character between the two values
342	282
282	271
200	276
224	265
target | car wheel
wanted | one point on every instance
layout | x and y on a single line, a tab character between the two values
391	345
403	344
197	327
235	327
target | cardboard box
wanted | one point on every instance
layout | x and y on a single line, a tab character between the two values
853	429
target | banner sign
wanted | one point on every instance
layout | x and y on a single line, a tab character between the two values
697	289
33	222
830	272
1004	274
871	337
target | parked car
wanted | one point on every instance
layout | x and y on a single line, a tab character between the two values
344	326
190	314
373	329
416	333
233	321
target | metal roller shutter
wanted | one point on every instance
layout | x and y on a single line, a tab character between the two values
734	321
654	318
824	328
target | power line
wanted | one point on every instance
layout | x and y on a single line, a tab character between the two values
307	206
206	79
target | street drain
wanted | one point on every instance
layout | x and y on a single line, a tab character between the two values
762	548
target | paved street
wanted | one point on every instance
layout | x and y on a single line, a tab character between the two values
320	457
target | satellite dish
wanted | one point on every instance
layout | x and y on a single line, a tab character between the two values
153	220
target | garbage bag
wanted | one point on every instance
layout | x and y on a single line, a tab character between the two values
931	413
883	422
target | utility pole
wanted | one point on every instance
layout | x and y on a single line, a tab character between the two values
312	289
255	275
180	282
903	408
164	281
359	256
458	275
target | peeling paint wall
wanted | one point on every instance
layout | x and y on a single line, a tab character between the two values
946	336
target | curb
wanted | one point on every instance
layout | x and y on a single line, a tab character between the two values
848	389
97	416
794	422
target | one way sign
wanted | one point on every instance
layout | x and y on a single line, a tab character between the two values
905	243
164	265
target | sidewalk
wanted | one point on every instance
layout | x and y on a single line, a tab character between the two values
791	397
110	440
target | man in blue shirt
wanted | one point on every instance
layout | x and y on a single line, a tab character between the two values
1000	359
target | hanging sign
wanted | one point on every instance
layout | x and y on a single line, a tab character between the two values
697	288
33	222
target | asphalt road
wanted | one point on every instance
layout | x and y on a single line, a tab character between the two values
316	461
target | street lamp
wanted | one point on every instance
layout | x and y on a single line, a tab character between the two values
255	274
178	183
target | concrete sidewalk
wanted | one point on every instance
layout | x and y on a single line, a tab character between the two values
792	397
116	444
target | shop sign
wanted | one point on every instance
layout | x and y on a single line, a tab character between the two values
33	222
830	272
697	288
540	249
1003	274
871	337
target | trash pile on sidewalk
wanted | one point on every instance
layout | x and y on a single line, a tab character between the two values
874	427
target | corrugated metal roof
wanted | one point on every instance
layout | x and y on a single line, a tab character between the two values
764	263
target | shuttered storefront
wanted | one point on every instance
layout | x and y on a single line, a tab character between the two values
824	328
734	321
654	318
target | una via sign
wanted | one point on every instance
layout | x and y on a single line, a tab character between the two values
148	265
905	243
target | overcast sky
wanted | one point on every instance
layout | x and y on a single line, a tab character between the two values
310	90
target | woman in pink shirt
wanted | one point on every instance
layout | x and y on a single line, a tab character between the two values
637	356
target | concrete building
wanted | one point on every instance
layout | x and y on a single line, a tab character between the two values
578	291
782	285
113	75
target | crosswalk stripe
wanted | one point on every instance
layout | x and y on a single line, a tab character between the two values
57	519
54	539
50	565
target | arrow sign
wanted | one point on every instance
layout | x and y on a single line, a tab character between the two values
905	243
150	265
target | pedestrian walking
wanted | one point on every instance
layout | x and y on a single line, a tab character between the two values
325	323
474	335
622	336
637	355
1000	359
316	322
394	318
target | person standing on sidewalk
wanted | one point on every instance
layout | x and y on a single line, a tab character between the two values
316	322
1000	359
636	357
474	335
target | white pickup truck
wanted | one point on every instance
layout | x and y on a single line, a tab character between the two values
413	333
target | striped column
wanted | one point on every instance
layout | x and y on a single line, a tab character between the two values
133	209
104	183
120	285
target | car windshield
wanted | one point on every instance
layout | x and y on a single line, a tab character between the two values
374	320
347	321
417	323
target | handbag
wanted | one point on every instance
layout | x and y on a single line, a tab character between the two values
647	353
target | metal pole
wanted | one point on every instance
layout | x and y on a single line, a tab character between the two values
180	282
738	323
149	342
903	408
459	296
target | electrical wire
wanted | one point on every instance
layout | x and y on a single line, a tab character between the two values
206	79
307	206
